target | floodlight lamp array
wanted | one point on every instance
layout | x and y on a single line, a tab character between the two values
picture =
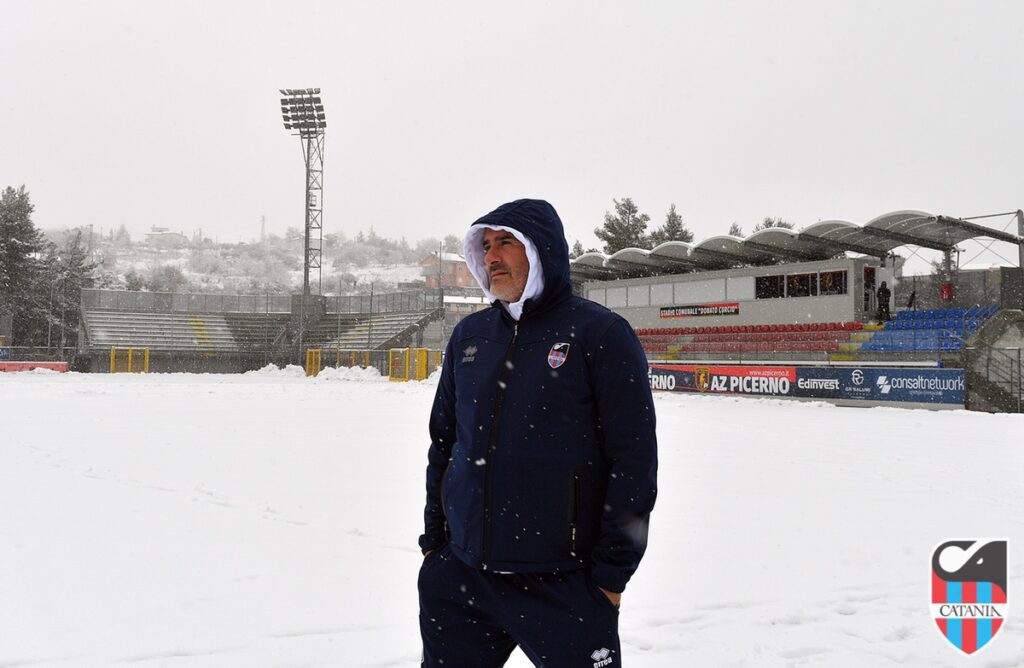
303	110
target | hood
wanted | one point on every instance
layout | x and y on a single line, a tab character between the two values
539	222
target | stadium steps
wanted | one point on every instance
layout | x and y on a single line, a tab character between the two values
381	331
256	331
989	396
331	327
178	332
993	364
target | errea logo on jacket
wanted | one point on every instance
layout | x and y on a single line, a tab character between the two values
601	657
469	354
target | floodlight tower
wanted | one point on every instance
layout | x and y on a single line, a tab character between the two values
303	113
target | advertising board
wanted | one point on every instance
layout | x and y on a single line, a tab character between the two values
876	384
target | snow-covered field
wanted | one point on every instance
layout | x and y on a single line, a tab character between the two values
271	520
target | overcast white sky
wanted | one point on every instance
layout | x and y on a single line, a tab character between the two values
167	113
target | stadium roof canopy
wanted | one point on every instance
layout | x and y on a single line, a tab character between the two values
820	241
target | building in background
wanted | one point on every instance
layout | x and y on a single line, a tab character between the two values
161	237
448	272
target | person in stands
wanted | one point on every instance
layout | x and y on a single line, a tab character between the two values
884	296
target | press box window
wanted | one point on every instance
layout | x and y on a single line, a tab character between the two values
769	287
801	285
833	282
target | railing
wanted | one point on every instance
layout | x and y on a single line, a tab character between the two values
40	354
318	359
1003	369
172	302
391	302
169	302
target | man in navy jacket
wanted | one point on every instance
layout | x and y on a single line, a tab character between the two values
542	463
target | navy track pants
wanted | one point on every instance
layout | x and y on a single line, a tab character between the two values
471	618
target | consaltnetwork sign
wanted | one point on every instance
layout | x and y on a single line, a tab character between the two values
927	383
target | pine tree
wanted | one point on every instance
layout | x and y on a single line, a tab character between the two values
452	244
626	229
68	270
577	250
22	293
735	230
769	222
673	230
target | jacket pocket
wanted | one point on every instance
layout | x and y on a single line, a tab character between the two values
574	508
598	595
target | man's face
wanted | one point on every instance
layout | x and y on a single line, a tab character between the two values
506	264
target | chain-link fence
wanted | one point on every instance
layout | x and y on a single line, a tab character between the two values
168	302
171	302
392	302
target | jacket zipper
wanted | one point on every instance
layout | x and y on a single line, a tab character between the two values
444	476
492	443
574	509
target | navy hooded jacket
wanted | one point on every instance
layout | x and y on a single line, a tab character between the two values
535	465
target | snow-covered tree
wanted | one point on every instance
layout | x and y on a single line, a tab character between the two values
22	293
673	230
626	229
772	222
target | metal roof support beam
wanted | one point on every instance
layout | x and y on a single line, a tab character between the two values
907	239
982	231
781	252
592	269
681	264
845	246
722	255
644	269
1020	231
593	273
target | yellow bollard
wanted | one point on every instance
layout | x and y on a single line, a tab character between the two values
313	361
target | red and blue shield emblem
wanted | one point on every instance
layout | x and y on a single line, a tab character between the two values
557	355
969	602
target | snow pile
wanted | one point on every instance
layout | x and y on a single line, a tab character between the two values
355	374
274	371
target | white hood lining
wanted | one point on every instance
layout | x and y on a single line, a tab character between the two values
473	251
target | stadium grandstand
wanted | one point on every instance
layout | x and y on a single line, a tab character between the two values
796	313
235	333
